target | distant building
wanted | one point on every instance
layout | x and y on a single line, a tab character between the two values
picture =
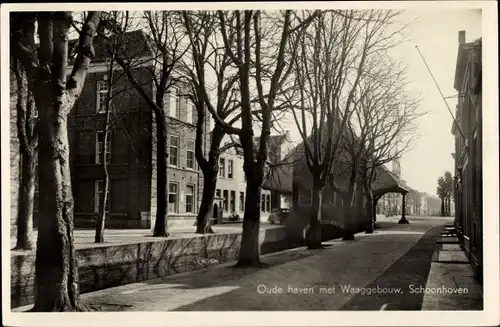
230	192
433	206
468	150
332	210
391	203
279	174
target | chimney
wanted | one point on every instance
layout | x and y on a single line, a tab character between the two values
461	37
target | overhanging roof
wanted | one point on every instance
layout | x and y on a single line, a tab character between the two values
387	182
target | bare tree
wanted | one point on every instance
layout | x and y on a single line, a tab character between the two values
28	146
247	47
326	56
113	23
207	54
56	270
166	43
386	113
330	65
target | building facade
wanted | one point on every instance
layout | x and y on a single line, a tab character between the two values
131	147
468	150
230	194
279	174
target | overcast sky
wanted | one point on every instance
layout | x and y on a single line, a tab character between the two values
436	34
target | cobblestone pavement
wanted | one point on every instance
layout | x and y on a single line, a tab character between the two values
373	272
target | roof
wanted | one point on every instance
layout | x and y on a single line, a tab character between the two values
387	182
280	179
280	176
135	45
464	49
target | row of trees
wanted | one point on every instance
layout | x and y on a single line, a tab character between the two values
330	70
445	191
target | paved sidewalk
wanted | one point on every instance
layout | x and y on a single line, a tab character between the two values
451	284
374	272
298	279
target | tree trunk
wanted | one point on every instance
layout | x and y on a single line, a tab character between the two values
313	237
370	212
99	233
449	205
210	169
26	201
442	206
347	233
56	271
250	250
160	228
203	225
28	140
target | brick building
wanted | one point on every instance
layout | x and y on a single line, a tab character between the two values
132	144
468	150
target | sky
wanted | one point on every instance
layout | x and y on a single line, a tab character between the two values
435	32
436	35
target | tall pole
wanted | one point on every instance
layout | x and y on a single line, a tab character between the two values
439	89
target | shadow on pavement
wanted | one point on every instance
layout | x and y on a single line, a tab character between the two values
407	273
213	275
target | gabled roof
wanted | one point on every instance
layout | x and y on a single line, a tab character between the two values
387	182
280	179
280	176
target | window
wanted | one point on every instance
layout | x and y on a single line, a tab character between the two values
172	197
305	197
102	91
217	193
99	147
242	201
174	102
222	168
190	155
98	193
229	169
226	200
263	203
233	201
268	202
190	199
174	150
190	114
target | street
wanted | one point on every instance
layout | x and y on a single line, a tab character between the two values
380	271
